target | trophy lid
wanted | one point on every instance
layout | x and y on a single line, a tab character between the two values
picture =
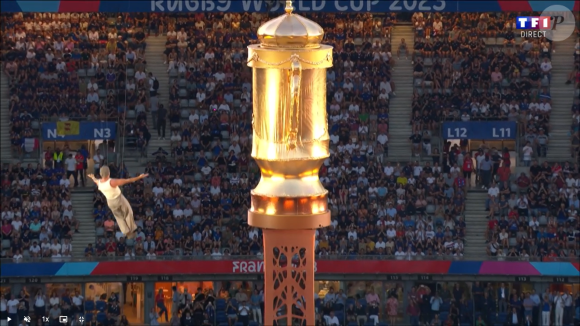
290	31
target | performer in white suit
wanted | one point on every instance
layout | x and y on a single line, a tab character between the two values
119	205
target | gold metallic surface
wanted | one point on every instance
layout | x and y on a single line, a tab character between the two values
297	178
288	222
280	185
295	79
290	31
274	111
289	7
289	206
259	57
290	142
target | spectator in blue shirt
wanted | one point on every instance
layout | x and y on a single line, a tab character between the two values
409	223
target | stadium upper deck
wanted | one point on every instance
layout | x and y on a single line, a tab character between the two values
327	6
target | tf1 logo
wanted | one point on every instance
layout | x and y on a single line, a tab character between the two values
539	22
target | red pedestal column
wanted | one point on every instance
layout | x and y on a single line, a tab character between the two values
289	277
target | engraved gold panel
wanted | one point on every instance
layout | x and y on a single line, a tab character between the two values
259	57
273	115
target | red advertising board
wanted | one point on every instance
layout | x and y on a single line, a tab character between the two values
323	267
257	267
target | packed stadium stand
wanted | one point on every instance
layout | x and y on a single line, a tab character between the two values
180	91
58	71
184	108
215	172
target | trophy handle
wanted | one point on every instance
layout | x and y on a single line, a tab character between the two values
295	77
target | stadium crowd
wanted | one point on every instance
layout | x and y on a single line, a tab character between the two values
48	308
476	69
197	194
71	66
208	171
453	303
67	66
60	67
480	70
536	215
473	68
574	77
38	219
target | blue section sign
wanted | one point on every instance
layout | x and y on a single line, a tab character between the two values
481	130
87	131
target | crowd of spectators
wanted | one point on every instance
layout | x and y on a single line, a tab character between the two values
534	215
38	219
229	306
474	67
197	195
71	66
65	302
500	304
47	307
189	209
209	116
104	310
201	184
574	77
355	304
454	303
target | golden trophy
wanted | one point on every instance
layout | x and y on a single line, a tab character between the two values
290	143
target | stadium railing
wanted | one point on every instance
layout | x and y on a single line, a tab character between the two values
259	257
